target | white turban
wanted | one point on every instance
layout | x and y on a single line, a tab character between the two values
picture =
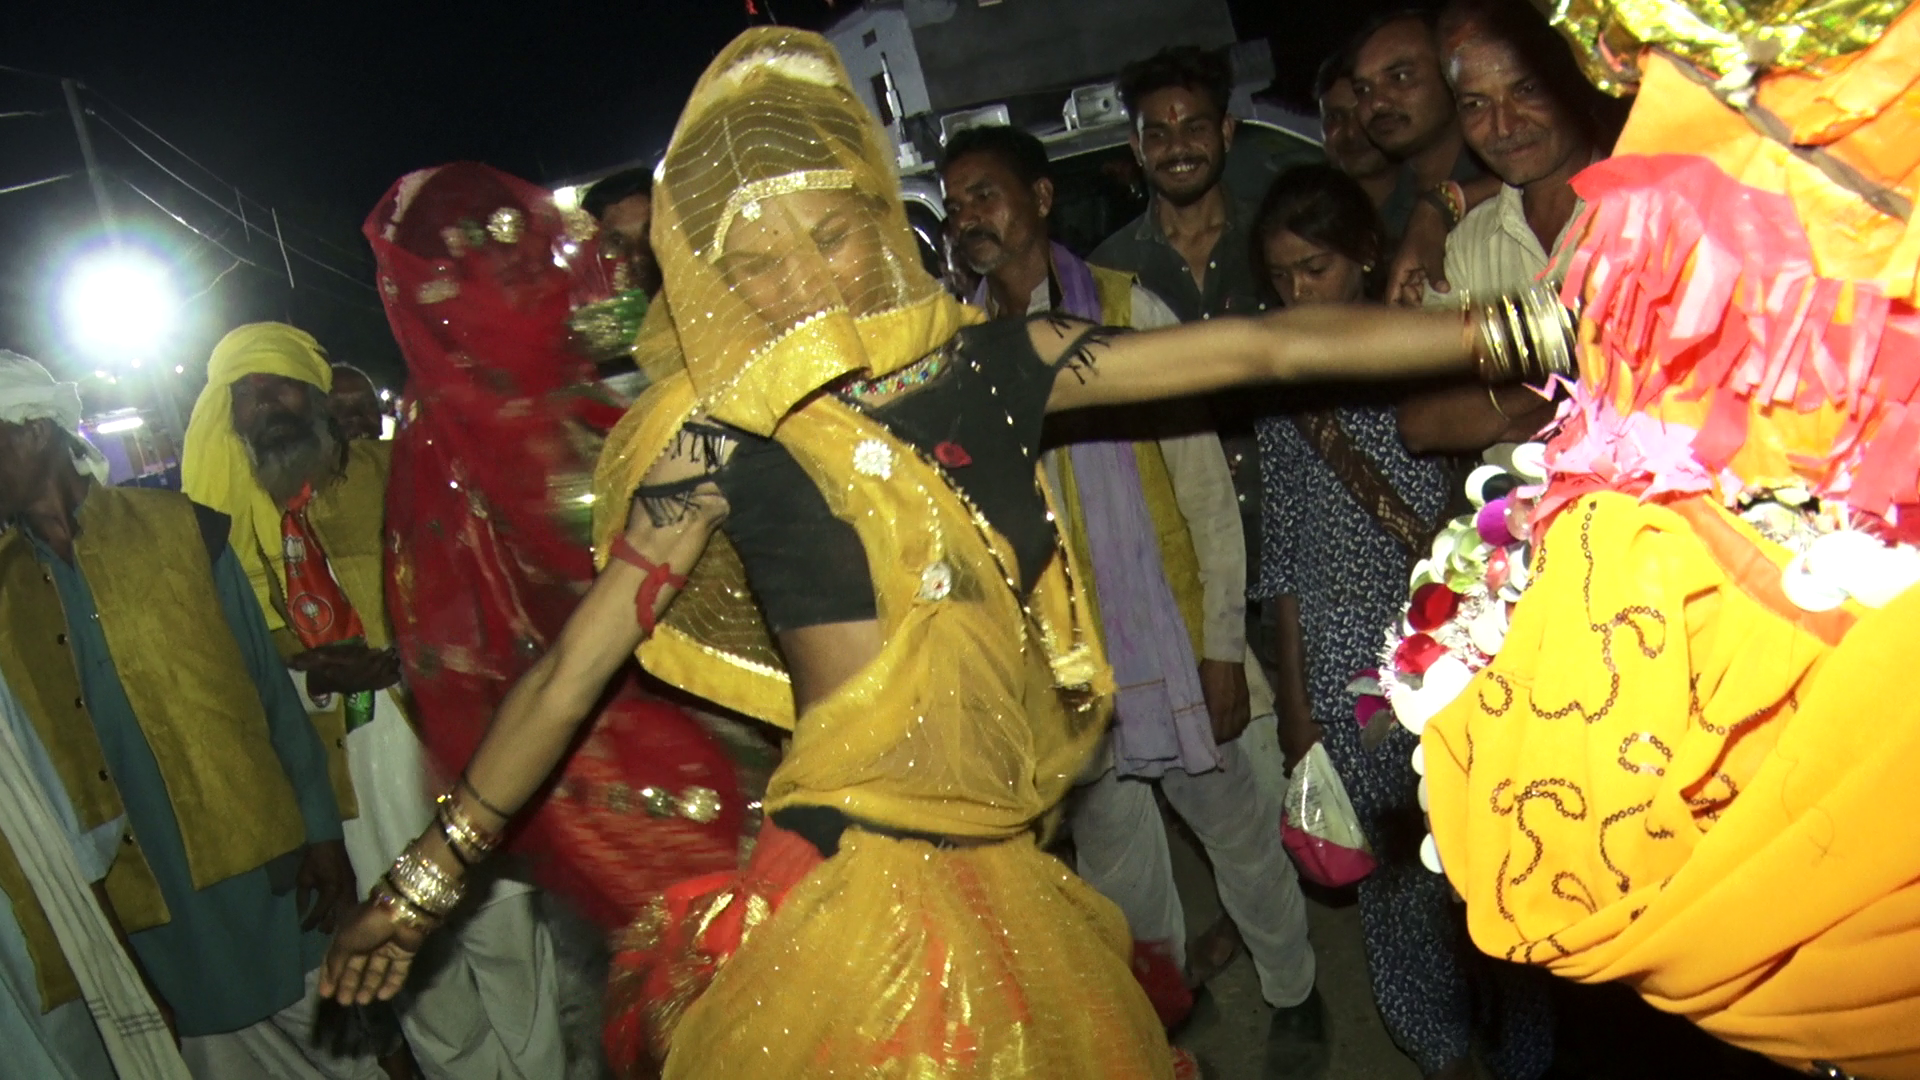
29	392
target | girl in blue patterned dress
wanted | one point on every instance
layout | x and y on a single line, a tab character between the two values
1335	576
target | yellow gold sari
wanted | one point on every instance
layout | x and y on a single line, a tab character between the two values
894	958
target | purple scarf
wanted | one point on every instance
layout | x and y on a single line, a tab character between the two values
1160	716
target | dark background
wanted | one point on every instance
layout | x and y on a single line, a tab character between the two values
312	110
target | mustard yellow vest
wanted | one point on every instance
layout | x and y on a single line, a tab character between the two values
349	519
1156	484
146	565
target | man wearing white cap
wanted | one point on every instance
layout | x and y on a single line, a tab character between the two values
131	642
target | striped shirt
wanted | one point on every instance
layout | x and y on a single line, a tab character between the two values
1494	250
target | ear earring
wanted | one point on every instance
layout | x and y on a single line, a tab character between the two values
1366	268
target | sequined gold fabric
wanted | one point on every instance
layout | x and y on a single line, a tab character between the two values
982	704
779	229
788	263
895	960
1726	37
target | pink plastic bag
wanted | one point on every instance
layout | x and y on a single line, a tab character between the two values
1319	827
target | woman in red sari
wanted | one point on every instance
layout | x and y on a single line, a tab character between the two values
487	518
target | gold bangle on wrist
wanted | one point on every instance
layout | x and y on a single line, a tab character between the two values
1524	336
386	897
421	882
467	840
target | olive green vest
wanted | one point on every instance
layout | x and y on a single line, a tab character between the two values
142	555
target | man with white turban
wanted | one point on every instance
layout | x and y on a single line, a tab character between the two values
174	756
50	866
308	511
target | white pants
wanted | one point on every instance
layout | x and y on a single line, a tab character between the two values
483	1000
281	1047
1121	847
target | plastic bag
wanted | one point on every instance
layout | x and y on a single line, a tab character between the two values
1320	828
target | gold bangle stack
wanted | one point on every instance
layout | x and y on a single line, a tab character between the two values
466	839
1523	336
420	882
388	899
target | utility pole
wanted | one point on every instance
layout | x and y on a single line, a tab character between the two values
72	89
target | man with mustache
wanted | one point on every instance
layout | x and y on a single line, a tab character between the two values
1525	109
1407	112
1190	247
1344	137
308	517
1152	511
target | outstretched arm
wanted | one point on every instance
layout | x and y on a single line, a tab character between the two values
1296	345
538	718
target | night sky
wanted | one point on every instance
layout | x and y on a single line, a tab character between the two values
315	109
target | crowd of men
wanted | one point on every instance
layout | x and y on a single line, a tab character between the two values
205	730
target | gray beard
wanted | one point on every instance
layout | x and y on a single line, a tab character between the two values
285	468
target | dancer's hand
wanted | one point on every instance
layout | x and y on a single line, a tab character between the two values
369	958
1223	684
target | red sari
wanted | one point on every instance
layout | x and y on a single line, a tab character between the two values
486	529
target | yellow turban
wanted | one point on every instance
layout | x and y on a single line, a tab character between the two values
216	471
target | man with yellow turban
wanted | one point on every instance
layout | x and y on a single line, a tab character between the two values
308	519
1687	763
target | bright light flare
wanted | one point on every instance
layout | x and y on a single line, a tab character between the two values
567	198
119	305
119	424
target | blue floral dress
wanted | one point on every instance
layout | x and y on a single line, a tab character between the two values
1350	579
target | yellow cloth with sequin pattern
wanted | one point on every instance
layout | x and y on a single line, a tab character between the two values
1673	777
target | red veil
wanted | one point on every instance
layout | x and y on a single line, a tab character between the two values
487	533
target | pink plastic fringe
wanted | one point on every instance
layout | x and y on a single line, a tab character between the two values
1749	320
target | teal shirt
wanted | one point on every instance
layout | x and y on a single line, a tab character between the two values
233	953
